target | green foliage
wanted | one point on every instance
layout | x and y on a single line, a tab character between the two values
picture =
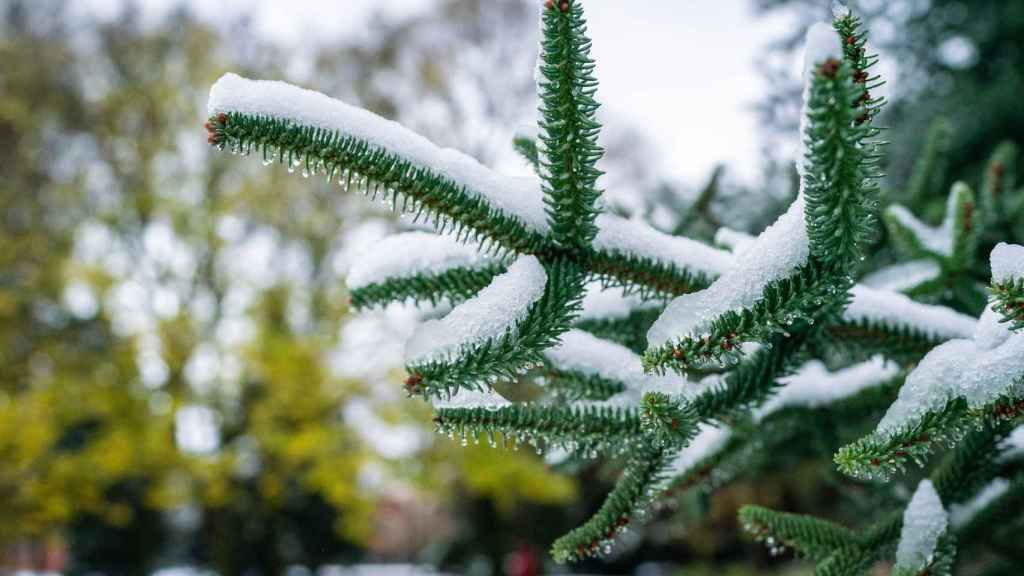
839	183
589	429
798	298
361	166
1009	302
814	538
623	506
454	285
568	128
476	366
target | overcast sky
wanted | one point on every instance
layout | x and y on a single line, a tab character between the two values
684	71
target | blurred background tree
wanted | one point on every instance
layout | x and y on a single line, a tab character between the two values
175	379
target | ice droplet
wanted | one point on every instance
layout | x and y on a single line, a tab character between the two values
840	10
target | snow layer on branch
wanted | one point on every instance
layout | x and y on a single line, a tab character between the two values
466	398
924	522
494	311
990	331
611	303
776	254
617	234
937	240
413	254
734	240
979	369
895	309
1007	262
904	276
961	514
1015	443
517	197
585	353
813	385
709	439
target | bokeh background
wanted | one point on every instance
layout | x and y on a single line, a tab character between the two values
183	389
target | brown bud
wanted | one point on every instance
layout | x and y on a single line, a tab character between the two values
829	68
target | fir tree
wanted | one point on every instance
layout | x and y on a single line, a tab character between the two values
684	361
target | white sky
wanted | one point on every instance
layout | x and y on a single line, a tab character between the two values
681	70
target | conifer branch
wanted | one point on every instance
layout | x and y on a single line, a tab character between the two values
630	330
999	181
526	146
812	537
589	430
623	506
453	285
478	365
363	166
930	166
568	128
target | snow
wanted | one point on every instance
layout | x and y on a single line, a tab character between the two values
734	240
924	522
813	385
1015	443
488	315
413	254
938	240
978	370
840	10
611	303
821	43
709	439
617	234
465	398
895	309
961	514
904	276
585	353
518	197
1007	262
777	253
990	331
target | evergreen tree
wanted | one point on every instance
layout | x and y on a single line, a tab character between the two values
680	360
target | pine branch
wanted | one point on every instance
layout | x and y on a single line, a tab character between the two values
568	128
972	464
841	167
798	298
812	537
587	429
477	366
623	506
368	167
754	380
904	344
526	146
881	456
999	182
1009	301
649	277
569	386
453	285
630	331
930	167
